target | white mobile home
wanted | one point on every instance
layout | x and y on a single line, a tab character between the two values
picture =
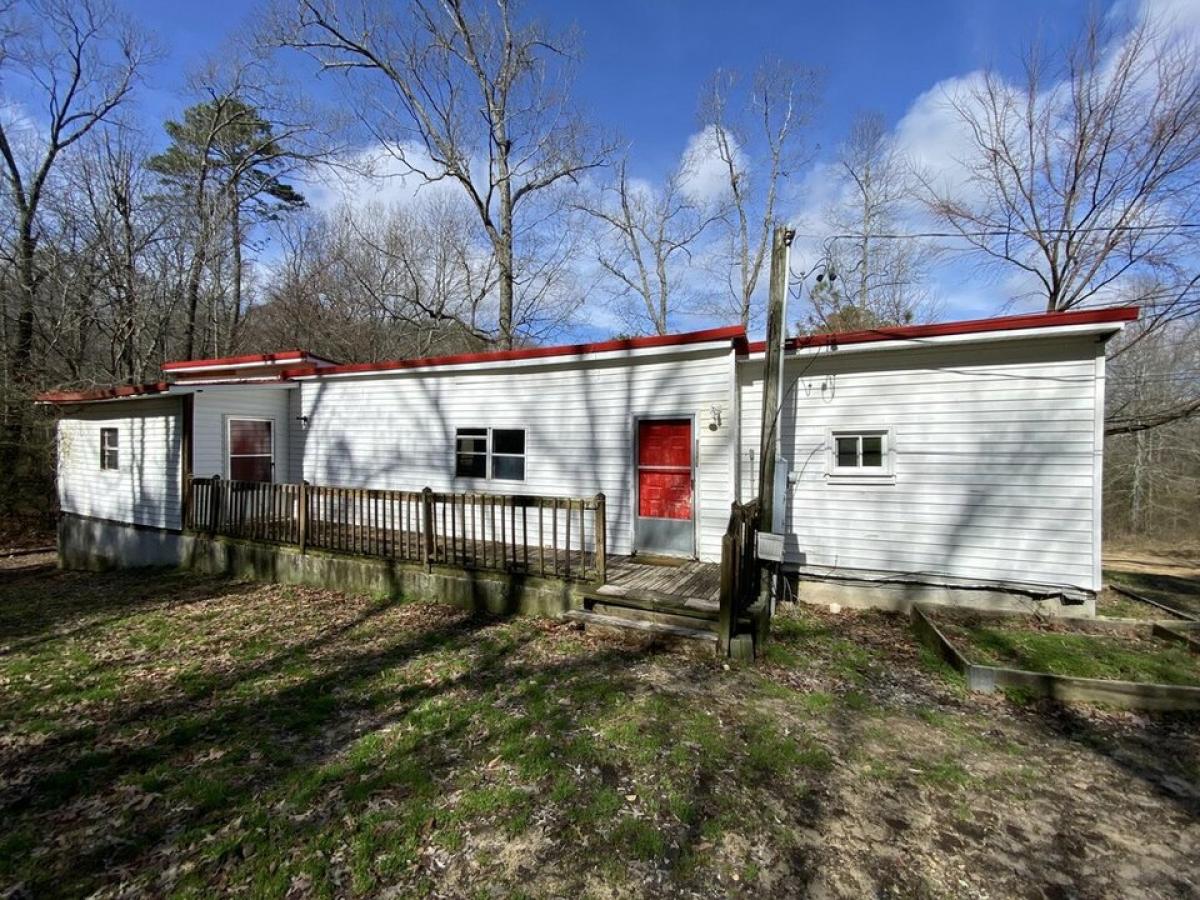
955	457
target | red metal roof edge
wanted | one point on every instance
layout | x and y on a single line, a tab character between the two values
248	359
110	393
731	333
968	326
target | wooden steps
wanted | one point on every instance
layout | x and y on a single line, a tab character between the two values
686	619
636	614
678	602
590	619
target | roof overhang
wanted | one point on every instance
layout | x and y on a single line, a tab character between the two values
252	361
195	386
1005	328
603	351
123	392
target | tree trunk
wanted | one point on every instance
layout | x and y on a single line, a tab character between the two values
21	368
20	362
504	261
236	237
193	302
1137	494
128	368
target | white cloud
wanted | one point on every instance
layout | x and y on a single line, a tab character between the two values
375	176
705	176
932	136
25	132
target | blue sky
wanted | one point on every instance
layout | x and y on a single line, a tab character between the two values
643	65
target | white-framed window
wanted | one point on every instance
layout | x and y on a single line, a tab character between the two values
861	453
110	453
494	453
251	444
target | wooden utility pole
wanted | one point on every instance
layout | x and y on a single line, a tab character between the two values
781	243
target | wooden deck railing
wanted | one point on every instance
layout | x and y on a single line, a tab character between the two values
739	569
564	537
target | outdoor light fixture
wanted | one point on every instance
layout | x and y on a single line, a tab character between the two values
715	413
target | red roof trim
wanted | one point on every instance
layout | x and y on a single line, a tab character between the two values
112	393
250	359
732	334
971	326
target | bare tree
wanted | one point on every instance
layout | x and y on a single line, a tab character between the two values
417	266
880	281
459	91
647	232
1152	474
757	134
383	282
75	62
1087	172
114	194
80	58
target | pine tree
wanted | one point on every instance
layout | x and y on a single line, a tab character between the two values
225	163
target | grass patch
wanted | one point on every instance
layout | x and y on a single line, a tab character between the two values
168	735
1174	591
1079	655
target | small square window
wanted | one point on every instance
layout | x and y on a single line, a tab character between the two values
110	457
497	453
865	454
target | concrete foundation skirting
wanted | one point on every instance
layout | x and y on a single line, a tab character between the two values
93	544
1123	694
902	597
100	544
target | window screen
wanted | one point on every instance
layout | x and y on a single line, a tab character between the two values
471	453
110	457
508	454
251	450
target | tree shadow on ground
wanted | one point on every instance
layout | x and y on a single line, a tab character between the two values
57	612
413	722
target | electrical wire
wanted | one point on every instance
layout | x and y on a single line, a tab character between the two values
1154	228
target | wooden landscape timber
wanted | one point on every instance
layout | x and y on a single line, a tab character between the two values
1123	694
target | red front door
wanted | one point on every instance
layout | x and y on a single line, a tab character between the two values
664	486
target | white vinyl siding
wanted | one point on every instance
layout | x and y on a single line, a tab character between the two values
397	430
994	455
213	409
295	433
144	488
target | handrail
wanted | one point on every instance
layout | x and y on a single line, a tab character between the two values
558	536
739	569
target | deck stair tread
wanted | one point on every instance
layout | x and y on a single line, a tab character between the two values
587	617
682	619
655	601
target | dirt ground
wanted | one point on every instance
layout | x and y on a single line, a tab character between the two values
1165	575
166	735
1184	563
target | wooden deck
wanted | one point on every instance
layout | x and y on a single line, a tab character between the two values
692	584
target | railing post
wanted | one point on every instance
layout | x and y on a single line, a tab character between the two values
725	616
427	506
601	539
189	489
214	514
302	514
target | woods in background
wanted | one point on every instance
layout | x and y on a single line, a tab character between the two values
123	245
